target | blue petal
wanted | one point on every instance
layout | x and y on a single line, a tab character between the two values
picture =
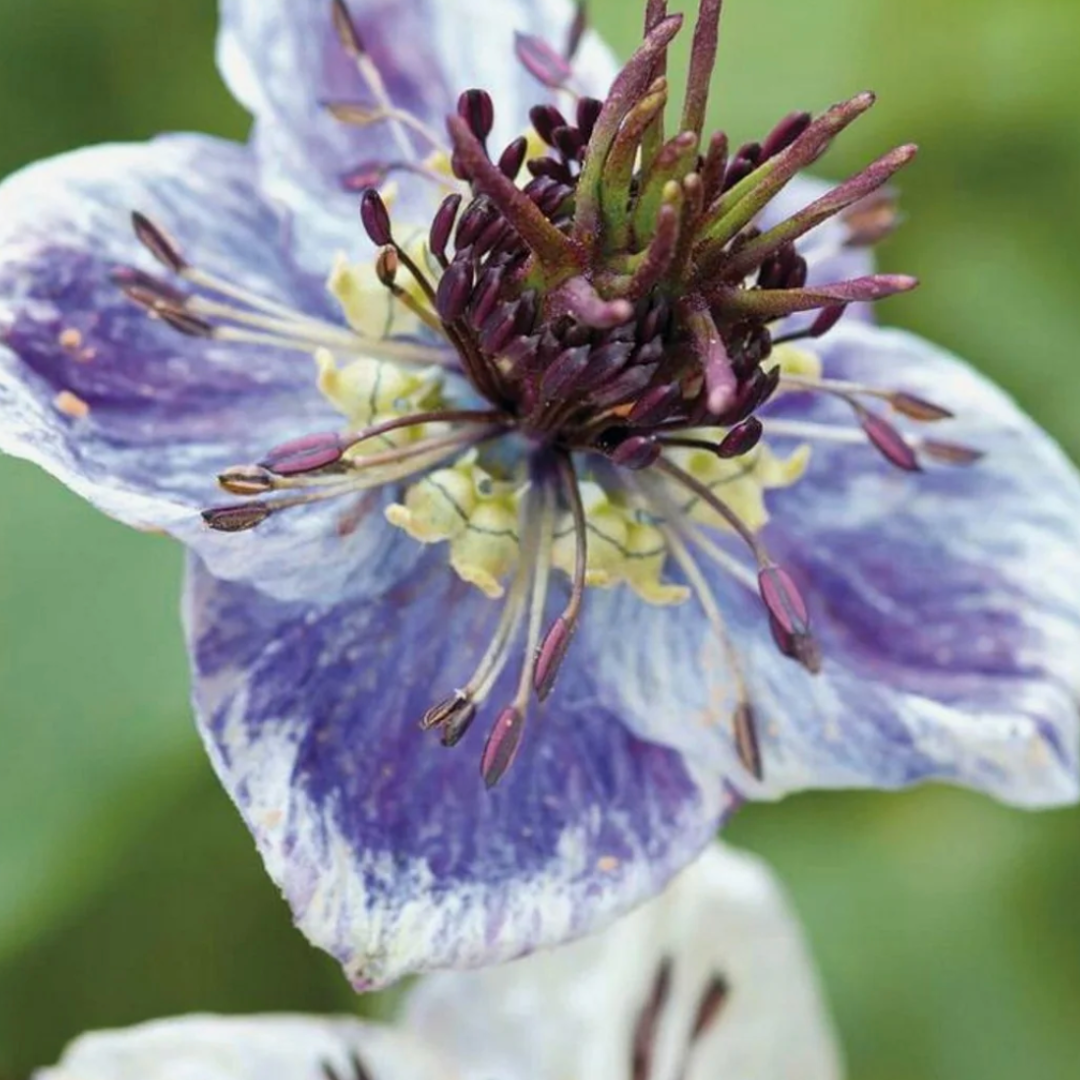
283	62
166	412
390	851
947	605
947	602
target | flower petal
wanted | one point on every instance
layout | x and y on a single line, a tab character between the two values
389	849
284	62
129	413
269	1047
947	602
729	938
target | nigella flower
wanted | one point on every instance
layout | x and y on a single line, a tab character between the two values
710	979
590	462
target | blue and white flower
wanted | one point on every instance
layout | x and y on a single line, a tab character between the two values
710	979
586	457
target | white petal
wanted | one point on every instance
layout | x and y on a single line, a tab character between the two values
572	1012
283	1047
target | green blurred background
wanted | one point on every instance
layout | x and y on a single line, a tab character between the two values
947	928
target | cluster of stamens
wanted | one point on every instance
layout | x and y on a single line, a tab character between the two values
614	301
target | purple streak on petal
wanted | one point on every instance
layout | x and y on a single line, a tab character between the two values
389	848
165	414
946	603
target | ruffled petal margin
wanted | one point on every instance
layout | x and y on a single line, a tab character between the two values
387	846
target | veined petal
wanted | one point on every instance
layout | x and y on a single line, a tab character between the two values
389	849
283	62
269	1047
947	603
729	941
129	413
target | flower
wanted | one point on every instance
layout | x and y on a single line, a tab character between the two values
623	440
710	979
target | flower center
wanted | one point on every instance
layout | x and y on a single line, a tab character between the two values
572	362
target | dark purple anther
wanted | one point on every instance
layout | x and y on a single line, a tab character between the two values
502	746
234	519
949	453
347	32
569	142
784	134
738	170
549	168
886	439
741	439
513	157
747	746
477	217
545	119
454	291
565	373
477	109
306	454
655	404
190	325
541	61
608	360
550	655
145	289
803	649
486	296
499	328
784	601
826	320
375	218
246	480
443	225
158	243
578	25
917	408
636	452
588	112
458	723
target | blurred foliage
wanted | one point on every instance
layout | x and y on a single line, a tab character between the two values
945	926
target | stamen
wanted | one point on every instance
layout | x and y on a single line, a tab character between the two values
788	615
456	714
349	35
824	322
350	112
909	405
714	502
272	324
505	738
542	62
744	731
556	641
